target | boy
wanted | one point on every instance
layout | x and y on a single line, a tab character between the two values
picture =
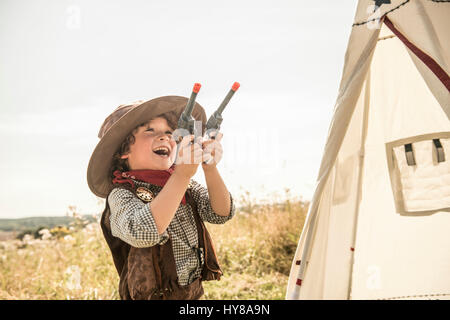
153	219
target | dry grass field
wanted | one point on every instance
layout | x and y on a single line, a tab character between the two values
255	250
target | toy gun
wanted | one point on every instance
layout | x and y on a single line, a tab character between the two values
187	124
214	122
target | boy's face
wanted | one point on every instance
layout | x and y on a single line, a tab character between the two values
145	153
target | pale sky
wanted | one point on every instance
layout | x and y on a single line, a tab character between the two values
66	65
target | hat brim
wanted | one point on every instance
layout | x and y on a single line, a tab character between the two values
100	163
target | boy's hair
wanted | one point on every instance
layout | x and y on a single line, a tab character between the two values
122	164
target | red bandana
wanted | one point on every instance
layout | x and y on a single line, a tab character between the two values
156	177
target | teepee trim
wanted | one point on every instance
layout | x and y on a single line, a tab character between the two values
426	59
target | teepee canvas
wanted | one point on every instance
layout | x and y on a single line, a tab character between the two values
378	225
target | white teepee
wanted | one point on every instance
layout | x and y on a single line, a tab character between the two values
378	225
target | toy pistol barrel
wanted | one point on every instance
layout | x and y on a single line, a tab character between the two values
216	118
185	121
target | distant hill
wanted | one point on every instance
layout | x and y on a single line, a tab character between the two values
32	223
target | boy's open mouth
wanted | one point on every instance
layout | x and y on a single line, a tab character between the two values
162	151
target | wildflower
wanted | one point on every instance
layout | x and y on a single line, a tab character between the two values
45	234
91	226
69	239
60	231
27	239
73	274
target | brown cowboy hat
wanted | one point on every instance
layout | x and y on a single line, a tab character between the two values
119	124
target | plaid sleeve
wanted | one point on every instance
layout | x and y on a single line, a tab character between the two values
132	221
201	197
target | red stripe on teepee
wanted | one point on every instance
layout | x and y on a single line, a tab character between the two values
429	62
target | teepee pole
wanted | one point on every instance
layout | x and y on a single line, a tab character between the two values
360	180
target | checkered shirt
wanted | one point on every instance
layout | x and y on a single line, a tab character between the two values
132	221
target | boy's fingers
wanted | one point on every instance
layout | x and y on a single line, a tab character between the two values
207	157
215	136
209	144
198	158
197	150
219	136
218	156
197	145
196	153
186	144
213	146
186	140
199	140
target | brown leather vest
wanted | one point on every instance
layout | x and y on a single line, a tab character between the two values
150	273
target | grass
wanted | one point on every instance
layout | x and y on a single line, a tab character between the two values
255	250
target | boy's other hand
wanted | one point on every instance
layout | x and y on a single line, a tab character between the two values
189	156
212	152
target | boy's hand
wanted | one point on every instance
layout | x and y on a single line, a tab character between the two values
189	156
212	152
